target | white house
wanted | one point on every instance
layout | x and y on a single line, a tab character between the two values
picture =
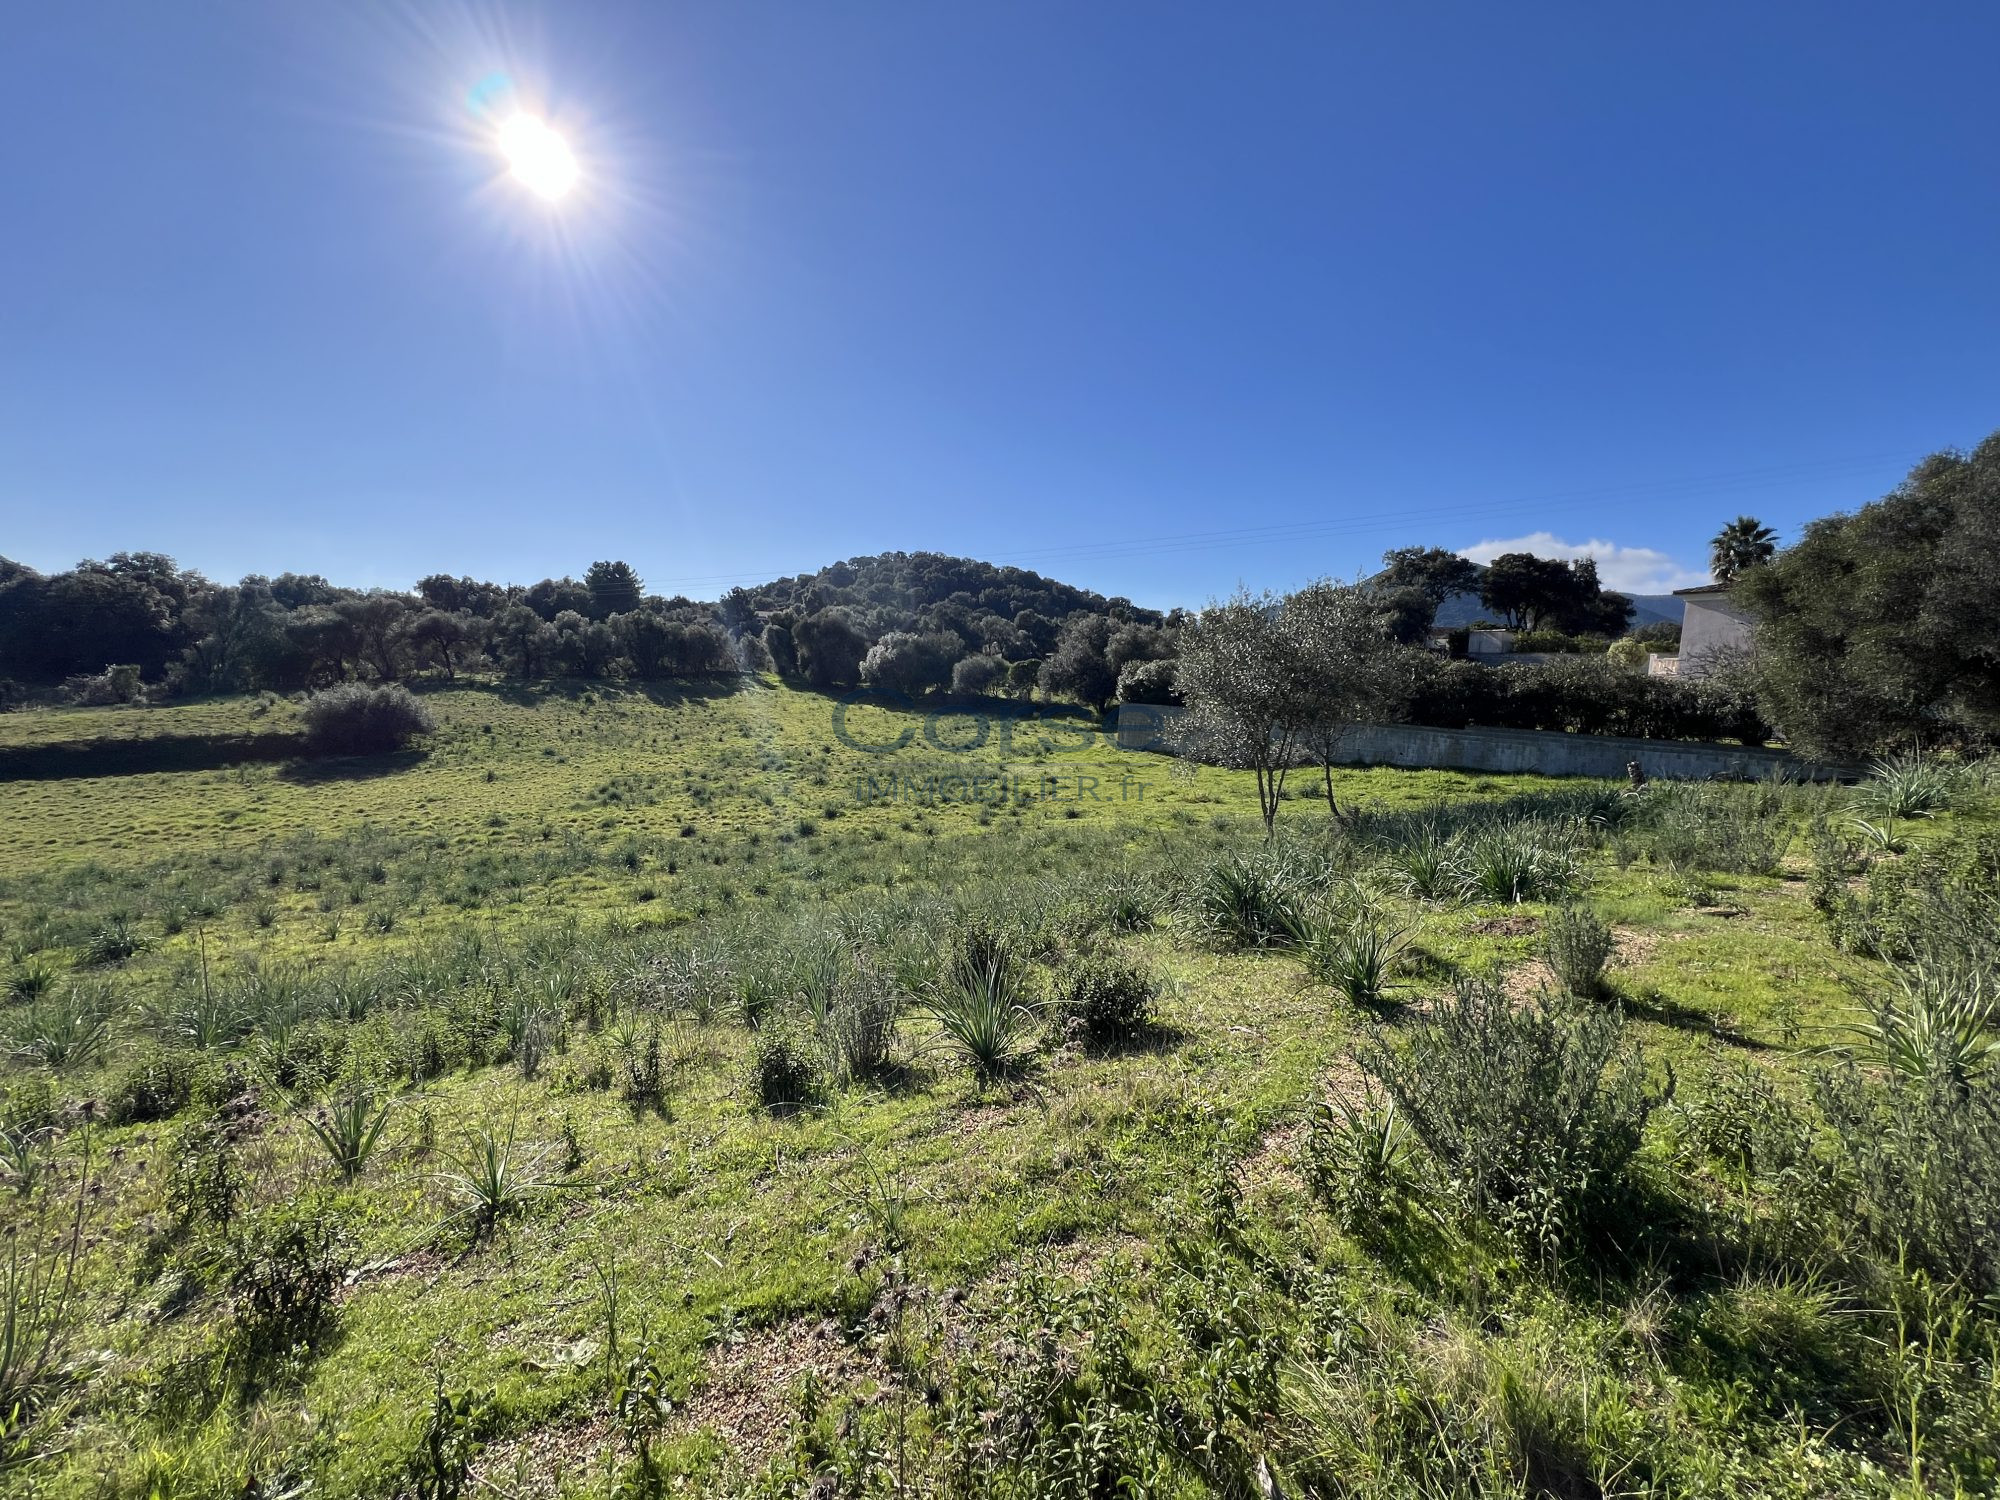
1712	628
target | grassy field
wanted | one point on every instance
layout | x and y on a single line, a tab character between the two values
613	947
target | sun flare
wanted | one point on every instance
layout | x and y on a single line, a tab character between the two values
539	158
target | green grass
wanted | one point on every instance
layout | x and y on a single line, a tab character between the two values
1152	1193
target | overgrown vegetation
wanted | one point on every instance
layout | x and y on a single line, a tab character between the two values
959	1149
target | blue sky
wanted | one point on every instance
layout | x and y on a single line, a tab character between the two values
1155	298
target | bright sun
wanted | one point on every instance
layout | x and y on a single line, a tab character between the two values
538	157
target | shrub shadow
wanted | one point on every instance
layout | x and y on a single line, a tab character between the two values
351	767
141	757
1662	1011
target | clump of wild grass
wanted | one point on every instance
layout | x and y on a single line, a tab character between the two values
1909	786
116	939
1523	860
980	1006
1941	1020
33	977
640	1055
24	1158
1248	901
1360	1162
349	1129
1355	954
1429	863
68	1031
38	1317
492	1179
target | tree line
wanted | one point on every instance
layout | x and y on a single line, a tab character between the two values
1876	630
108	630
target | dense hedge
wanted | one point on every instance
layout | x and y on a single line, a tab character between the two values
1587	695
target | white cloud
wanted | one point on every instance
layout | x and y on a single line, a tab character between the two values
1631	570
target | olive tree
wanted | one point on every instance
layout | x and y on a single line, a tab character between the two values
1243	683
1345	665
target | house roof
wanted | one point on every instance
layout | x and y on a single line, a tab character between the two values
1704	588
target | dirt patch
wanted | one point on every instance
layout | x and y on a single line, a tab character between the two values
1519	926
1524	981
546	1461
427	1262
1274	1166
748	1399
981	1119
1630	948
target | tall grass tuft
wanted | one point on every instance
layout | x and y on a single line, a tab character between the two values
1354	954
1909	786
67	1032
980	1009
1249	901
349	1130
1525	860
38	1315
1359	1161
492	1179
32	978
1941	1021
1428	863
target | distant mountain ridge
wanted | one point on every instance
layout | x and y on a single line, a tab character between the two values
1647	609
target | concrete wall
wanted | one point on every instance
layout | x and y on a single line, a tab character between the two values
1711	626
1545	752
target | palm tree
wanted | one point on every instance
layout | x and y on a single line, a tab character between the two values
1741	545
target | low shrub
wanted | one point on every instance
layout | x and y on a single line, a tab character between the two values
364	719
1558	643
1102	999
205	1186
285	1270
1940	899
1712	825
1577	945
156	1083
1530	1112
1922	1152
1578	695
28	1107
784	1065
